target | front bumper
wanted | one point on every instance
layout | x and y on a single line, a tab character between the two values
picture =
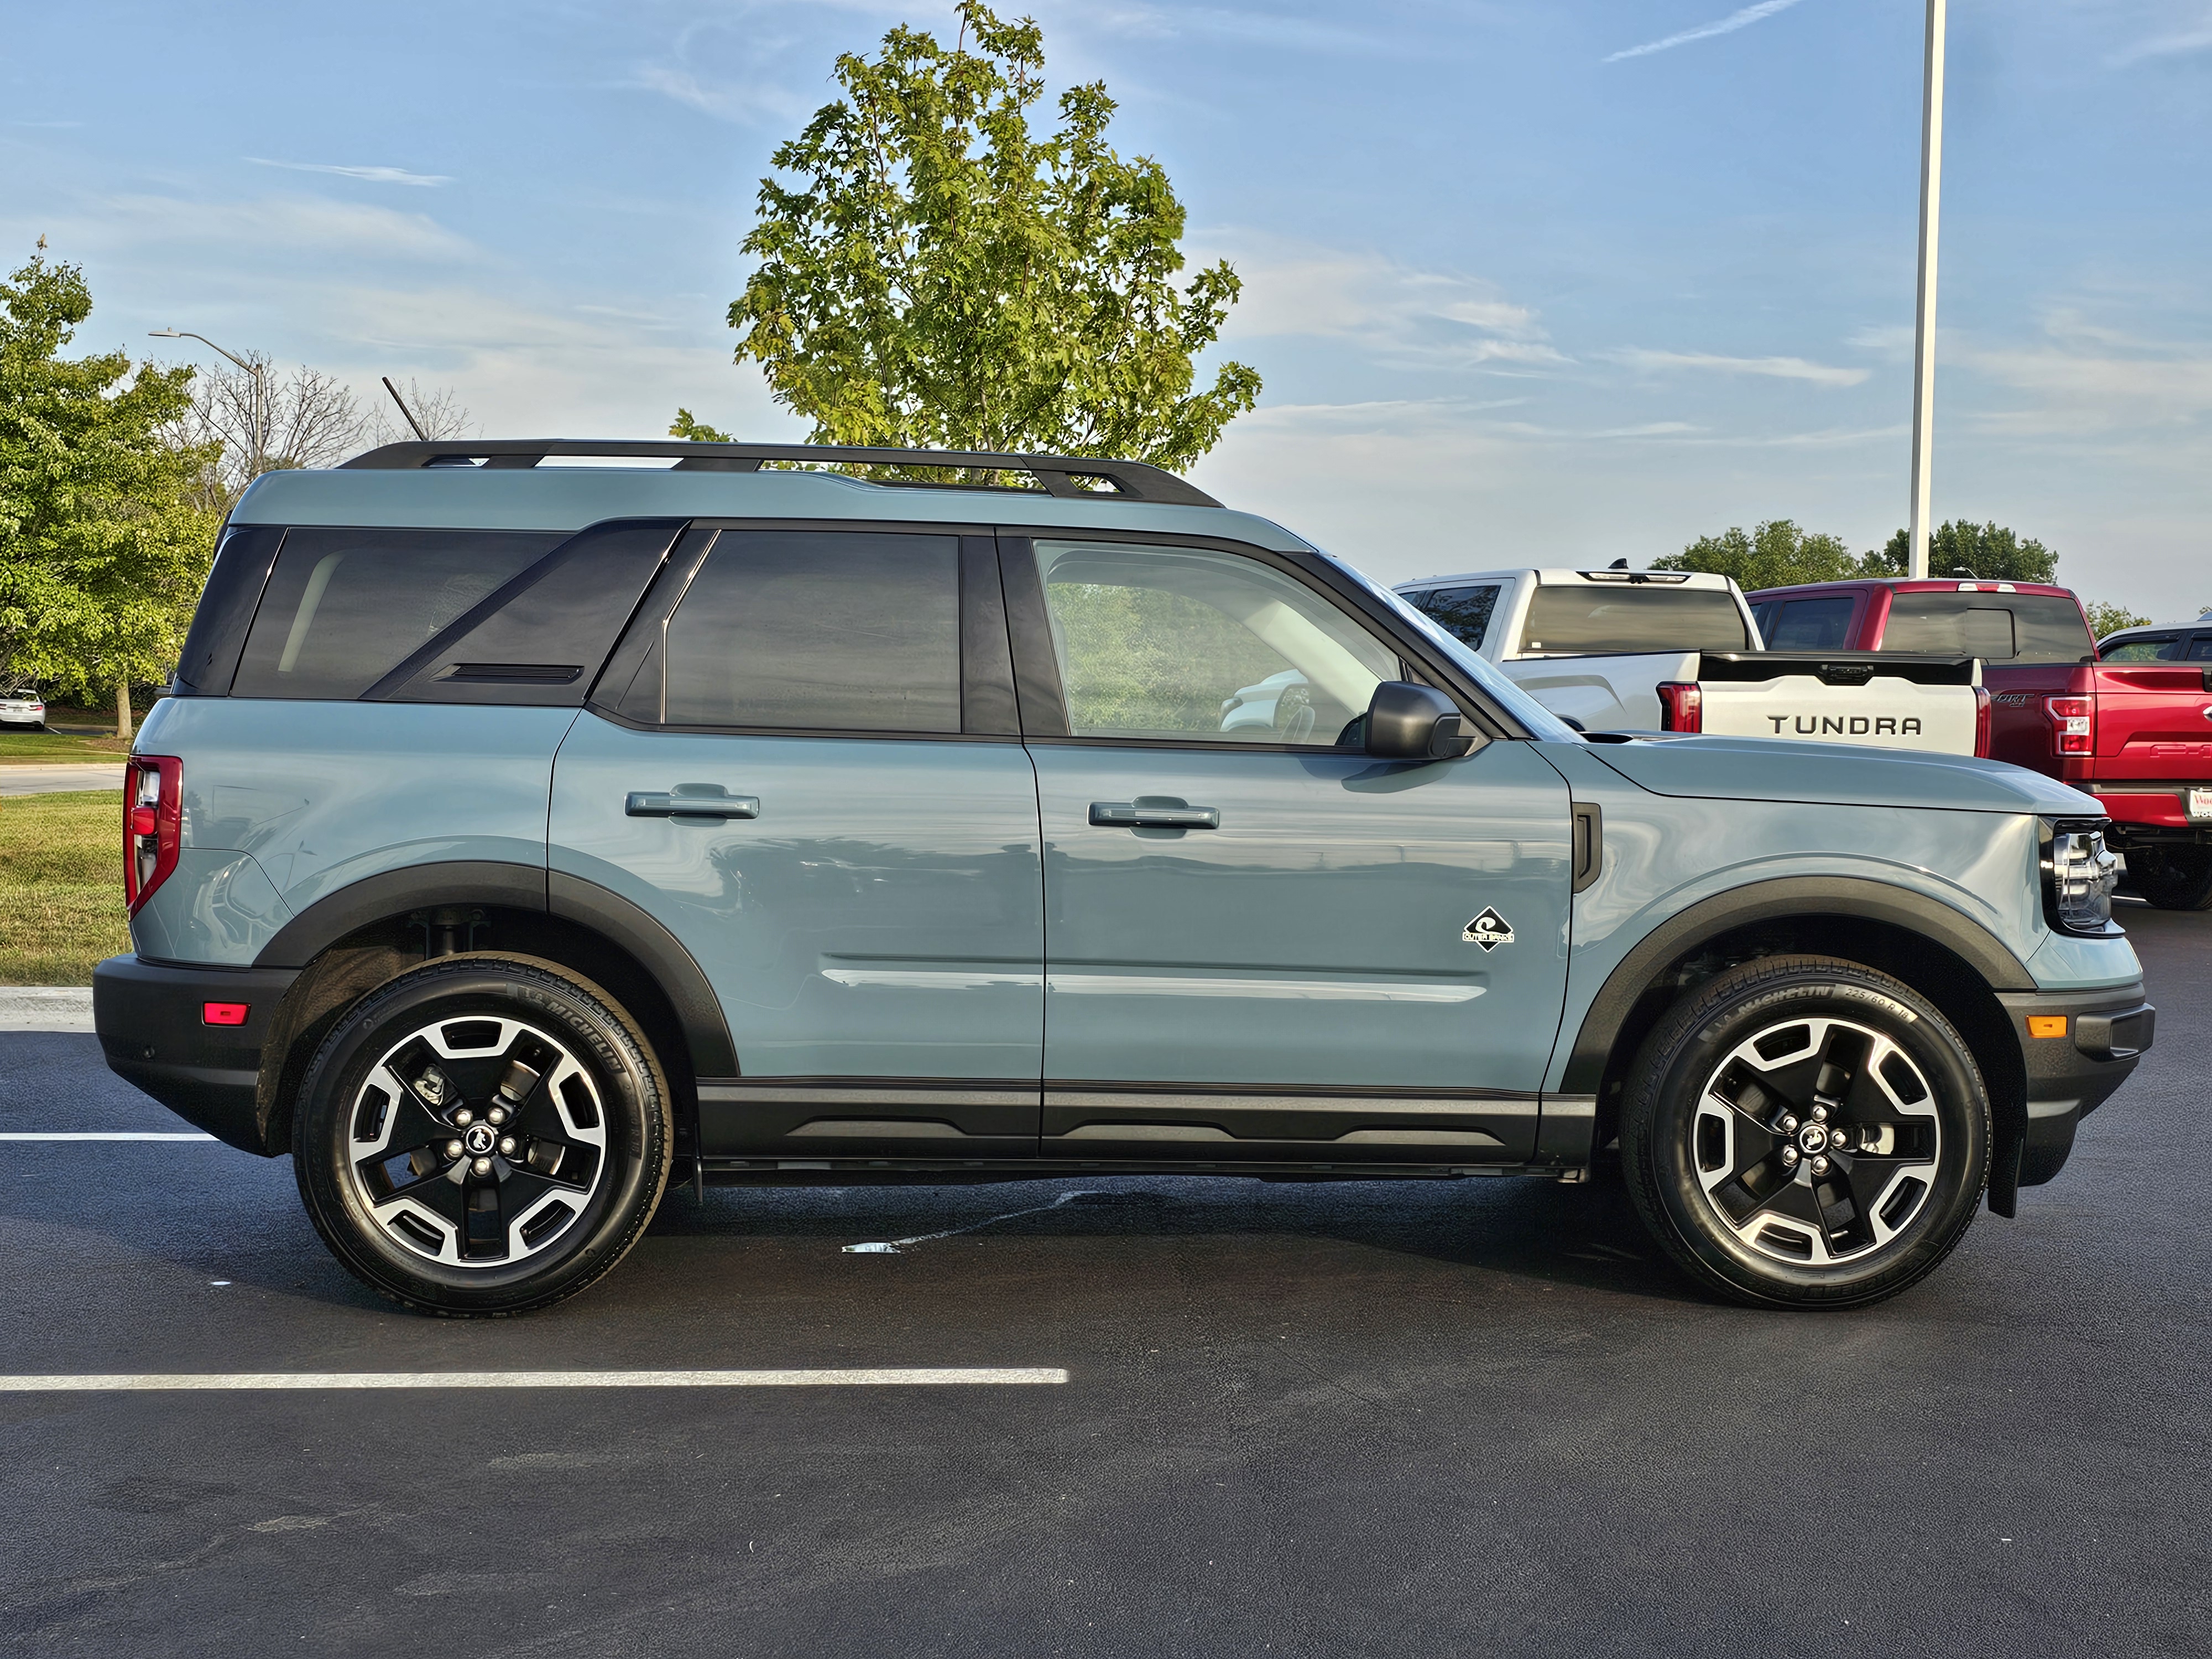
148	1015
2097	1039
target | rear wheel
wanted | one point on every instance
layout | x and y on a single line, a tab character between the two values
482	1135
2173	877
1806	1133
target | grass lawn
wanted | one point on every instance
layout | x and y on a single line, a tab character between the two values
61	886
21	746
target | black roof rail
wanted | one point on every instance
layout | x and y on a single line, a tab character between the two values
1057	474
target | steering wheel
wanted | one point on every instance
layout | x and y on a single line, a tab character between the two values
1294	714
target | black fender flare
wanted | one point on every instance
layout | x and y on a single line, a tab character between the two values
521	887
1769	901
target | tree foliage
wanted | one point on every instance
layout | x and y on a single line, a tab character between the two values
940	277
1775	554
1987	551
2111	618
103	544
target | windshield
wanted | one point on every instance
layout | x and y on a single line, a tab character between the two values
1541	721
1589	618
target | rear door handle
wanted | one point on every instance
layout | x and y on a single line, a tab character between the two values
1148	815
691	800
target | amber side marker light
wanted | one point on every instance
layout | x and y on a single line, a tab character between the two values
2046	1025
235	1013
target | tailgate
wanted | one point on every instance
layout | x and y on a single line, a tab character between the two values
1879	699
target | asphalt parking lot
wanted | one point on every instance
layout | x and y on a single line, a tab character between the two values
1370	1418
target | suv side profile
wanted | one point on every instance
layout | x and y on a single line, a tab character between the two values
519	837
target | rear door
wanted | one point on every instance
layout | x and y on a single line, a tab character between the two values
803	761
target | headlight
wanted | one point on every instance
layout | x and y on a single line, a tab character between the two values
2078	876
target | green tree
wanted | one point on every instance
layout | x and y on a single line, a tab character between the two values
103	549
1776	554
2111	618
937	277
1989	551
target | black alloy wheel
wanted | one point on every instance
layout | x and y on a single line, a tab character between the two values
1802	1132
483	1134
2171	878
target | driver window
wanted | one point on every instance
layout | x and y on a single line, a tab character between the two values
1195	647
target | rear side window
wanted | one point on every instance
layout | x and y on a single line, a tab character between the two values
819	631
1808	624
343	608
2023	628
2200	650
1619	618
2155	647
1462	612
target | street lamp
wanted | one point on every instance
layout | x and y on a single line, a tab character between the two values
1923	342
260	398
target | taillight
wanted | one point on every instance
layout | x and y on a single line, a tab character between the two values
153	823
2073	725
1984	706
1681	707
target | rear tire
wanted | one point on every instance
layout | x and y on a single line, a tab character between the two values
483	1134
1804	1133
2173	877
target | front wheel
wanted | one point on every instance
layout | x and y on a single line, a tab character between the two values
2173	877
483	1134
1806	1133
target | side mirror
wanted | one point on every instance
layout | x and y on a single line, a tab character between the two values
1409	722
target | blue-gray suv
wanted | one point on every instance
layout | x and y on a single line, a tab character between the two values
520	836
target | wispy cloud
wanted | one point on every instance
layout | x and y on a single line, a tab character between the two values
726	100
1779	368
1727	25
370	175
2177	44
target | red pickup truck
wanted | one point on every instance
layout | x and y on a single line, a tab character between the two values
2136	734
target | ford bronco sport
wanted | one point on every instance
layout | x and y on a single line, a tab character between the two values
520	836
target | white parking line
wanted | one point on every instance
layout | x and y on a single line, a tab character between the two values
116	1135
907	1377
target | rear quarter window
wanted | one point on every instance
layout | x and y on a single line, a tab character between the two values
2156	647
1462	612
343	608
1807	625
2019	628
1624	618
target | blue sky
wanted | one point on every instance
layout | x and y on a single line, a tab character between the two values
1557	281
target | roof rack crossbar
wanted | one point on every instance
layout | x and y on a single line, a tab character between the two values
1058	475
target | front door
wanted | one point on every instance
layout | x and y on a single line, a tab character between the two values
1263	945
786	784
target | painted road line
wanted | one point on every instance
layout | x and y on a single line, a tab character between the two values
229	1382
114	1135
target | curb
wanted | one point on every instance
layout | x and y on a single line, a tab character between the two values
46	1008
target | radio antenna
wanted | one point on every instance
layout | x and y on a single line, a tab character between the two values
403	410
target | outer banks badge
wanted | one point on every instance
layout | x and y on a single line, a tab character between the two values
1489	930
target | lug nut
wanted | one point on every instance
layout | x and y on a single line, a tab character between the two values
482	1166
463	1118
452	1148
1819	1166
506	1146
497	1114
1819	1115
1790	1156
1789	1123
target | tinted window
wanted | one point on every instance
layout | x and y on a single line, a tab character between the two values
1462	612
1999	627
1617	618
2151	647
2200	650
343	608
821	631
1809	624
1195	645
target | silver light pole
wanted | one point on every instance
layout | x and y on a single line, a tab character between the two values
260	393
1924	342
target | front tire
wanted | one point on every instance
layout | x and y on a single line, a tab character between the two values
1805	1132
483	1134
2173	877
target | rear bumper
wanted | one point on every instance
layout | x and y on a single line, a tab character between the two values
2153	814
148	1015
2102	1036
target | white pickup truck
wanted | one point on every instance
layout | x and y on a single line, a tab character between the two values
1627	650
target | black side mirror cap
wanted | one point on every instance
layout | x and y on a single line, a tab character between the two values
1409	722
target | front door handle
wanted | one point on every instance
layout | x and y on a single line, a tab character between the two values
1144	814
691	800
